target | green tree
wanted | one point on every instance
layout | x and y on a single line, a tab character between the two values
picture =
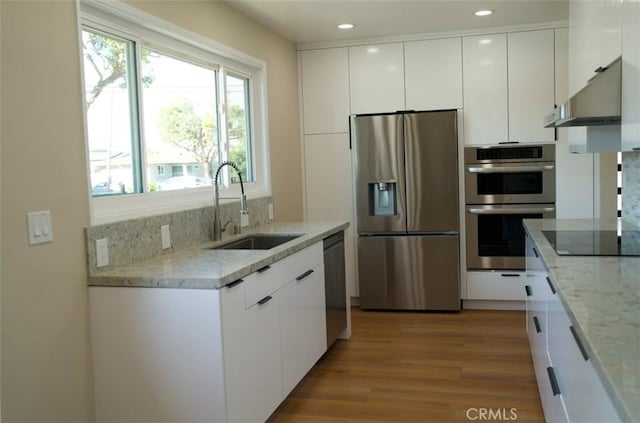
109	58
237	129
182	127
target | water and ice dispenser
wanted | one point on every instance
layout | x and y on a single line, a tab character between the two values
383	198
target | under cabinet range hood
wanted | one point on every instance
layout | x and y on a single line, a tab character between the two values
598	103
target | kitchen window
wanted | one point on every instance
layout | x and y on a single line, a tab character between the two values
163	109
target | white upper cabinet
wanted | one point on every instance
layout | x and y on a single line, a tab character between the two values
630	129
531	85
325	90
484	79
376	74
433	74
574	172
595	40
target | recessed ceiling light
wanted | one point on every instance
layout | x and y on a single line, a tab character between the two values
483	12
345	26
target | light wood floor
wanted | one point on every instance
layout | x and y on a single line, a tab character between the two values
421	367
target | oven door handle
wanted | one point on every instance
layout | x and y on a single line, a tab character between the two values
507	210
509	169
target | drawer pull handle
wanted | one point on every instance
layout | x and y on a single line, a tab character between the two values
265	300
510	275
264	269
527	289
234	283
537	324
553	381
304	275
553	290
535	252
583	351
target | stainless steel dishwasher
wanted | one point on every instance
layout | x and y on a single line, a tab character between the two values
335	289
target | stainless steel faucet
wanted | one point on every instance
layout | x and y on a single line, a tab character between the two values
217	230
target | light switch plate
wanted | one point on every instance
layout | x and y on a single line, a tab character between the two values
270	211
102	252
165	235
39	227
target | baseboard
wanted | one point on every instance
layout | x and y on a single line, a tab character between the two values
493	305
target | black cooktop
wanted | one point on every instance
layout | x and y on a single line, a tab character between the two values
594	243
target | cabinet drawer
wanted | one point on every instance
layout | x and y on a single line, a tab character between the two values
505	285
298	263
269	279
263	282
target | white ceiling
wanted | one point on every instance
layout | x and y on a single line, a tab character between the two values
306	21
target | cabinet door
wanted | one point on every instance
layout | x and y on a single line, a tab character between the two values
595	39
484	60
630	130
376	74
252	361
329	194
531	85
433	74
302	325
325	90
574	172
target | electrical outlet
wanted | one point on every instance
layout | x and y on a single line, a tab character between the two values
102	252
165	234
270	211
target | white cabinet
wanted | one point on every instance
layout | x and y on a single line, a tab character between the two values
508	84
433	74
484	62
325	90
570	389
302	325
376	76
583	394
531	84
595	40
495	285
252	363
574	172
329	189
630	128
214	355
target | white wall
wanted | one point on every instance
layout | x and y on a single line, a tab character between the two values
46	364
45	354
215	20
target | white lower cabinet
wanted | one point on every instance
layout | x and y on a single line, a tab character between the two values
570	389
302	325
252	363
208	355
496	285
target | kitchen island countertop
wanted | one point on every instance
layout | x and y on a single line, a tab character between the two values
602	297
200	267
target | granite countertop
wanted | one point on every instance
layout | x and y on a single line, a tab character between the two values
200	267
602	298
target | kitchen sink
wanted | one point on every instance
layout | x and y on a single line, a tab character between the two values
257	242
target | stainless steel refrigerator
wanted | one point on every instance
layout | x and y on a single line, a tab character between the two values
406	185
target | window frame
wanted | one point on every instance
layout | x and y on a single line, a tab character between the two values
148	31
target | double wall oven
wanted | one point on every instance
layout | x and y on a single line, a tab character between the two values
503	185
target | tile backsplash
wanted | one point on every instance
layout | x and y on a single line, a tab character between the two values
134	240
631	187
